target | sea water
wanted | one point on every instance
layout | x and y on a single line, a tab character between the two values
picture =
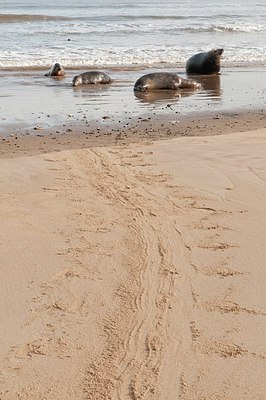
126	38
130	33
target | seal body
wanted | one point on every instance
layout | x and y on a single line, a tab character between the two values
56	70
205	63
163	80
91	78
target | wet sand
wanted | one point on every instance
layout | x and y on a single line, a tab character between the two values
40	114
132	258
32	103
146	127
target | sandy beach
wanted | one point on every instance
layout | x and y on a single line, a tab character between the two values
135	270
133	223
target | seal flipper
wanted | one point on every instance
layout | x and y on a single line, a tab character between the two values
188	84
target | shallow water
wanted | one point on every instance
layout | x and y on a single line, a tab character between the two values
125	38
31	100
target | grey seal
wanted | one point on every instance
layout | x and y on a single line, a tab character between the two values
205	63
56	70
91	78
163	80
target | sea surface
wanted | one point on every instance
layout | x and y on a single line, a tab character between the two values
130	33
125	38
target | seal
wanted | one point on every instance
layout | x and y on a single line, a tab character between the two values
91	78
205	63
163	80
56	70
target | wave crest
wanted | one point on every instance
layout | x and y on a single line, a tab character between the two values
228	28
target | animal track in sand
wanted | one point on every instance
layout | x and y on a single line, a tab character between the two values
195	332
151	178
50	345
222	348
228	307
183	387
50	189
42	347
215	246
68	272
221	271
71	305
31	392
207	227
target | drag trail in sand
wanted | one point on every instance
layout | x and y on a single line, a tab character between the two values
135	272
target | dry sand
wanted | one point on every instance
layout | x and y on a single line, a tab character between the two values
135	272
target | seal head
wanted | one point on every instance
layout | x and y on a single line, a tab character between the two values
205	63
56	70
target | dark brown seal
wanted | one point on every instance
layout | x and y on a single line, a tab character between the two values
205	63
163	80
91	78
56	70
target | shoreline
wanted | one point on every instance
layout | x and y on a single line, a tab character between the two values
33	104
140	129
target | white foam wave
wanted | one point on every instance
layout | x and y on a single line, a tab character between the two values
228	28
240	28
128	28
119	57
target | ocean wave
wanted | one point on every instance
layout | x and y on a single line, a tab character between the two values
127	28
120	28
132	17
118	58
227	28
13	18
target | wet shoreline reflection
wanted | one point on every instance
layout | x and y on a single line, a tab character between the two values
154	96
210	84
